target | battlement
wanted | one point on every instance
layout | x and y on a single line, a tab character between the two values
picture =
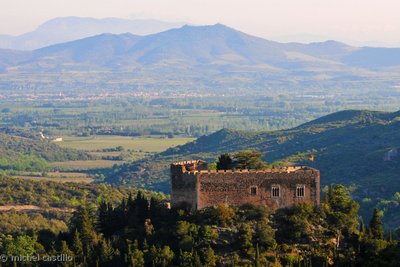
185	162
197	187
189	166
193	166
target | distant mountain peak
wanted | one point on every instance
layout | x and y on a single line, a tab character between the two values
65	29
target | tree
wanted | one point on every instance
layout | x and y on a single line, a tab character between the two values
21	245
106	251
248	159
375	225
245	238
185	258
104	219
185	233
340	211
208	257
265	235
207	235
224	162
137	258
222	215
82	222
294	224
66	251
77	246
167	255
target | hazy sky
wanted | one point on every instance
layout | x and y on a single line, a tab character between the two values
357	22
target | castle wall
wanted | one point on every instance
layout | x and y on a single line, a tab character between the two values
197	188
234	188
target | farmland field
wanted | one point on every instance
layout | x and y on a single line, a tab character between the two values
84	164
61	177
144	144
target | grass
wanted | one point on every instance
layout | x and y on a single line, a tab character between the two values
60	177
84	164
146	144
135	148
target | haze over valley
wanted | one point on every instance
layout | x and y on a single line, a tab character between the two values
93	112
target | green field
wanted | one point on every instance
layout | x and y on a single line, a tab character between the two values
151	144
84	164
61	177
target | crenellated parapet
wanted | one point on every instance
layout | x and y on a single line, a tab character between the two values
198	187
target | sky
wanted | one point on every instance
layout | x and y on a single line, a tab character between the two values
356	22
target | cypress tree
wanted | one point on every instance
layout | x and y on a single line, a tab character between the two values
375	225
224	162
77	246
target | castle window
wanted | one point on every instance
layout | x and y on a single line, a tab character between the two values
253	190
275	191
300	191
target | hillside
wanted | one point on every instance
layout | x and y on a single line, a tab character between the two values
349	147
213	58
29	154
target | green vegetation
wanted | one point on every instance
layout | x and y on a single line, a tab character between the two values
28	154
245	159
112	143
142	231
248	159
348	147
17	223
45	194
224	162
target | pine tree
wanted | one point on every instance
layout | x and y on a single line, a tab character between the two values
248	159
257	258
104	219
106	251
224	162
244	239
64	250
137	258
208	257
185	258
85	225
375	225
77	246
142	206
196	260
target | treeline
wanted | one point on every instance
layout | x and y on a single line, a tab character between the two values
191	116
14	191
145	232
25	154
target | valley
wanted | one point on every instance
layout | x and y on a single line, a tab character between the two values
91	118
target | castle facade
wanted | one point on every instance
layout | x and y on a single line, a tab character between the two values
195	187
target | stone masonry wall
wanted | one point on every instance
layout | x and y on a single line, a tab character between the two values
184	190
198	188
234	188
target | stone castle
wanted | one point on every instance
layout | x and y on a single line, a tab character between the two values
195	187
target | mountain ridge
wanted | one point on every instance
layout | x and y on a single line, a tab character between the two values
64	29
214	42
213	57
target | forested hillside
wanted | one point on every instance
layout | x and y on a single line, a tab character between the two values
29	206
348	147
139	232
32	154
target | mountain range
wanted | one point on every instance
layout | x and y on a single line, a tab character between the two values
64	29
213	57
